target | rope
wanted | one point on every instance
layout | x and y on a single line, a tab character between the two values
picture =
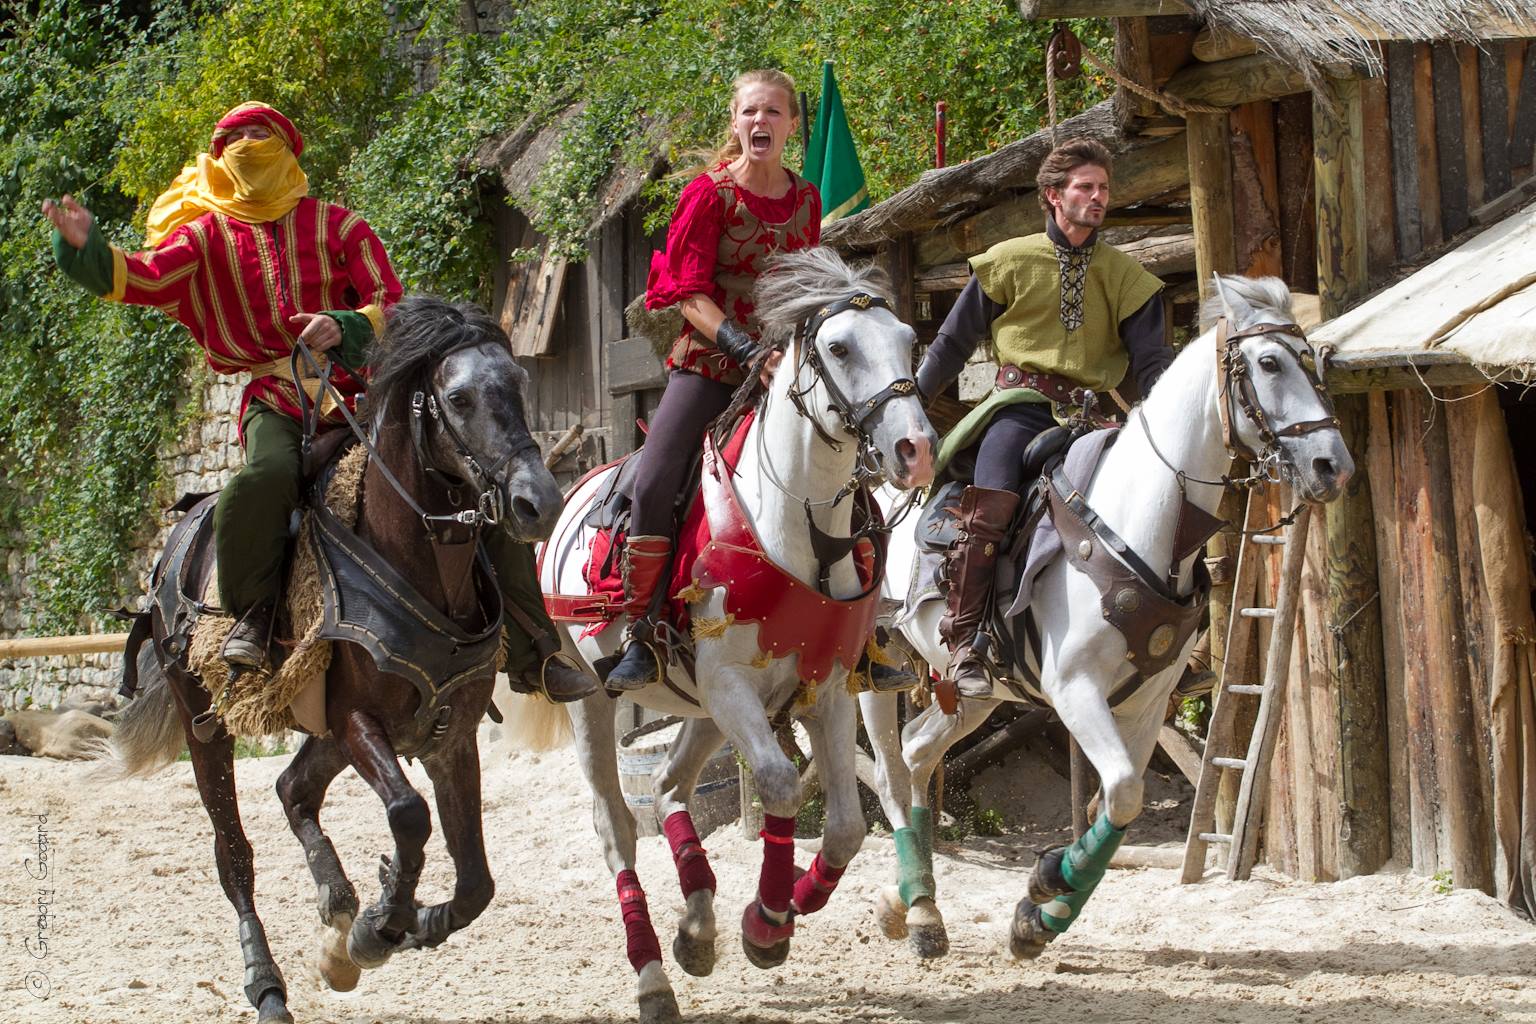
1064	37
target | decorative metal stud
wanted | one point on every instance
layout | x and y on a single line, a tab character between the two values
1084	548
1160	640
1127	600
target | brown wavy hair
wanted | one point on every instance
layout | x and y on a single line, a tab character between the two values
1058	166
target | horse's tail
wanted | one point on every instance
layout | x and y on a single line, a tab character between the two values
532	723
148	735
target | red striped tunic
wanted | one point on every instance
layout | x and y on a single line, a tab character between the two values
234	285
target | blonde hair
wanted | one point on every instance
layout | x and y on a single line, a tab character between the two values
730	149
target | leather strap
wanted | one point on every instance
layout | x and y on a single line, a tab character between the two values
1057	388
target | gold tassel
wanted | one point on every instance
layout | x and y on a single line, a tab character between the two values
805	696
763	660
877	654
711	629
691	593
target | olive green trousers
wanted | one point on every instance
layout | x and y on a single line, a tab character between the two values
250	536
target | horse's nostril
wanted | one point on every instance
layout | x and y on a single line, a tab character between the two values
906	450
1324	468
525	510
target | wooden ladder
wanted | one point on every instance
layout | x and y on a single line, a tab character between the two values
1221	742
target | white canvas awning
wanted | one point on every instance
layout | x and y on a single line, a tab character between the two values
1476	304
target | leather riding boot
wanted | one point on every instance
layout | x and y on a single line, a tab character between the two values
558	680
246	646
968	568
646	559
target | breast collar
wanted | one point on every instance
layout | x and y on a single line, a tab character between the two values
793	617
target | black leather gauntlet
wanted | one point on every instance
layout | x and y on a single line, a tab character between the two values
733	341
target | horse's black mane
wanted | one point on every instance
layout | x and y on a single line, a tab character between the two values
420	330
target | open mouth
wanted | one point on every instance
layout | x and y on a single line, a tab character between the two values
762	142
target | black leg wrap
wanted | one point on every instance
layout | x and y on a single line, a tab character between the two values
433	926
337	897
261	974
1046	881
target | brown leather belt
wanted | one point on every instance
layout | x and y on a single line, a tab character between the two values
1052	385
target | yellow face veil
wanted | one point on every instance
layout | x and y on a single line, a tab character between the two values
250	180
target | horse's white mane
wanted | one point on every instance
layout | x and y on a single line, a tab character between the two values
797	284
1250	298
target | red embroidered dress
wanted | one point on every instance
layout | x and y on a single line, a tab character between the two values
234	285
719	242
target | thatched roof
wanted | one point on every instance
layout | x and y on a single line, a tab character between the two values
518	156
947	193
1314	33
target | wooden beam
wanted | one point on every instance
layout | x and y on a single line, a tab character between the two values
1230	83
1046	10
1133	56
896	260
1353	615
1337	130
1429	165
1391	371
1522	139
1405	160
1212	45
1472	123
1139	174
1148	216
633	366
1210	196
1499	207
1450	139
1376	145
50	646
1255	191
1493	98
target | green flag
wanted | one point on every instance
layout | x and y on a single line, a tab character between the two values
832	164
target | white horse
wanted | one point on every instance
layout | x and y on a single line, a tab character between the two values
841	406
1286	420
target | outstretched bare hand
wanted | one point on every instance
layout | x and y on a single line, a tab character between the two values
72	220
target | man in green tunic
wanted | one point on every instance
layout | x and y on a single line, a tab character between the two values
1065	313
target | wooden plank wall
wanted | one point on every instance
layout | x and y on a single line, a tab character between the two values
1460	132
572	385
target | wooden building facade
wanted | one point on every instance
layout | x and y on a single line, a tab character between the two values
1339	145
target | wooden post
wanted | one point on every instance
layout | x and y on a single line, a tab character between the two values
51	646
1352	613
1210	196
1133	56
896	260
1337	130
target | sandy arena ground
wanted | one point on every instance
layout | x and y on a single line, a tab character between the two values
141	931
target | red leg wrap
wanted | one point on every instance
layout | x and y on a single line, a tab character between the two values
639	936
693	870
816	885
776	884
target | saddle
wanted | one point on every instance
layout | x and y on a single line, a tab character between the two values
1054	518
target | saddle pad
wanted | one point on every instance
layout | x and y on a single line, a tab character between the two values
1081	461
604	574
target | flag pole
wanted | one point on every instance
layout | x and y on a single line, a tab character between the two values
940	123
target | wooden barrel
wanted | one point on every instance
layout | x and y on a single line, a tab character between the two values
716	798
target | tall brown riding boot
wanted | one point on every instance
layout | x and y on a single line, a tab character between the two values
984	518
646	559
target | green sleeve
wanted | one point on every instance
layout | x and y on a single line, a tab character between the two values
356	337
91	266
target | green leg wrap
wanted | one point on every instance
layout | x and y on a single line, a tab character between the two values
914	871
922	824
1087	858
1082	867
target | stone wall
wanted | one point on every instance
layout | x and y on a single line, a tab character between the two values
202	460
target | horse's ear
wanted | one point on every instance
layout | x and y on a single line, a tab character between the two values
1226	302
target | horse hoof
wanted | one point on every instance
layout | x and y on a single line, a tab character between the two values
765	943
366	947
891	913
336	967
660	1008
1028	937
694	954
926	932
273	1009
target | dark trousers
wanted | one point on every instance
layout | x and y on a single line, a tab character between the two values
250	521
250	524
1000	452
687	406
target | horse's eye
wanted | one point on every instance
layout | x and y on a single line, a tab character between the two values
1269	364
838	349
458	399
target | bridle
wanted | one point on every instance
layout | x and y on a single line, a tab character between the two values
492	501
854	417
1236	383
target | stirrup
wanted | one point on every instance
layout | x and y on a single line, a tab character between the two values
540	680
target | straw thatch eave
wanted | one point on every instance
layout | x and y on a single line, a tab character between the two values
946	194
1334	33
